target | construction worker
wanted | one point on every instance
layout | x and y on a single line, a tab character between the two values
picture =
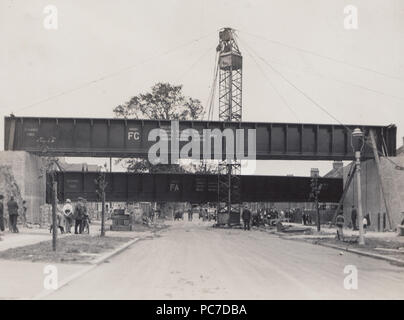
340	220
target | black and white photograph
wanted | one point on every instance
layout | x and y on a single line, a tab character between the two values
201	150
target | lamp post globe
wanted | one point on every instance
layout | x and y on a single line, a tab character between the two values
357	140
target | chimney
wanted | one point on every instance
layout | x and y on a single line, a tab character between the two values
337	164
314	172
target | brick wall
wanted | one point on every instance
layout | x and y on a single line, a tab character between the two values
26	169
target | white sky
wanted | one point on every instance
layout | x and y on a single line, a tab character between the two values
99	37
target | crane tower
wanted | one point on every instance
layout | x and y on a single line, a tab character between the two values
230	109
230	77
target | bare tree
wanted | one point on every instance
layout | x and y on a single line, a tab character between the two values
101	183
49	168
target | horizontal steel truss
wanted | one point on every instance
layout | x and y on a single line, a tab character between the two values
129	138
195	188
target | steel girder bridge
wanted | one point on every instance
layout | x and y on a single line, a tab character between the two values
85	137
194	188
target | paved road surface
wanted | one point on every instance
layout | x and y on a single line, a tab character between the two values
191	260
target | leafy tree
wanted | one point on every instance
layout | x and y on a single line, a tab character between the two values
165	102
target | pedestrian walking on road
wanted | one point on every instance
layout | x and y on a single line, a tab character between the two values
340	220
354	215
1	213
12	207
246	216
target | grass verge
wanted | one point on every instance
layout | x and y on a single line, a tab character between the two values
71	249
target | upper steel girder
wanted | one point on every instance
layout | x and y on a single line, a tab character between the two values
86	137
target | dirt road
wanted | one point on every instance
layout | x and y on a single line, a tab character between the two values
192	260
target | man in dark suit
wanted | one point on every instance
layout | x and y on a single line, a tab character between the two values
12	207
79	214
246	217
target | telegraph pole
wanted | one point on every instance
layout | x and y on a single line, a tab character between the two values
315	192
357	145
359	191
110	170
54	218
103	214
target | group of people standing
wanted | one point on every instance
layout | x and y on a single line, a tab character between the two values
69	215
65	216
13	213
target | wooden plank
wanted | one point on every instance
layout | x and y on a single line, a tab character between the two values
379	174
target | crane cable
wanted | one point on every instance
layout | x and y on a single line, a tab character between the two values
112	74
335	79
271	84
210	103
381	73
397	167
192	66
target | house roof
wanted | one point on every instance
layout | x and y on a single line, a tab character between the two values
337	171
78	166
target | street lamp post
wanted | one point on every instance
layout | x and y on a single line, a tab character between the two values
357	145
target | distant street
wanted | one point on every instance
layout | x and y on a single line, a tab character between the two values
192	260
